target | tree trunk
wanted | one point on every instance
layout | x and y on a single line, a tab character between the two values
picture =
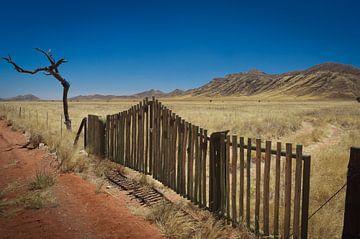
67	122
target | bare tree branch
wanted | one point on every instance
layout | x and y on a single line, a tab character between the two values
49	70
48	55
21	70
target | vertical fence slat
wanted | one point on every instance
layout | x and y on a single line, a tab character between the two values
222	175
287	214
227	173
179	154
242	180
277	189
296	220
190	152
197	160
183	161
196	163
266	187
305	197
147	136
248	182
257	184
204	169
233	180
151	136
174	152
200	167
128	142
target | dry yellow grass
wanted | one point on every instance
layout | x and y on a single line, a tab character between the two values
326	128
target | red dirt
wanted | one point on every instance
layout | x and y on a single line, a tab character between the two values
81	212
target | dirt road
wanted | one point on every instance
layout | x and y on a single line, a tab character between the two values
79	213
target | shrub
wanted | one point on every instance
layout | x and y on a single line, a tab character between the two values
42	180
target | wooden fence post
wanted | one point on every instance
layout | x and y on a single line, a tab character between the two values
351	228
217	163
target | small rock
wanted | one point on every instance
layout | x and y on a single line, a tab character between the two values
108	187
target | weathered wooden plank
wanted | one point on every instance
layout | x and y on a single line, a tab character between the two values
248	181
204	168
151	136
190	152
305	197
166	148
110	139
102	138
183	166
234	178
170	148
128	139
90	134
97	135
107	136
179	156
142	138
266	199
155	142
196	165
190	165
222	177
227	182
199	167
115	138
277	189
298	168
121	138
287	213
89	139
189	159
159	130
257	184
137	137
96	140
146	112
242	180
174	151
131	112
163	145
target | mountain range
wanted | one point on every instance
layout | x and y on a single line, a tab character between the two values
322	81
28	97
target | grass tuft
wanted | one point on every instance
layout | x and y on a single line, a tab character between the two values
42	180
38	199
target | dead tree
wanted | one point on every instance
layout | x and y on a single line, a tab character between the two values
52	70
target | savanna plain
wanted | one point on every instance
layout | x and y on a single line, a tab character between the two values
326	129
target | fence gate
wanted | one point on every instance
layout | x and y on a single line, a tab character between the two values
96	135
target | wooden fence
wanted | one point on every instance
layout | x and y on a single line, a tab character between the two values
245	181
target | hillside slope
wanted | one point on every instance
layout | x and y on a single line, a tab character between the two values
328	80
28	97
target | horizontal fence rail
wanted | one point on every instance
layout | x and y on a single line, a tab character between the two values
260	185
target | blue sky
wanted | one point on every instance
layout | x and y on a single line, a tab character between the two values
123	47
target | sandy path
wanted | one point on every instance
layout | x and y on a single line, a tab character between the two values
81	212
333	136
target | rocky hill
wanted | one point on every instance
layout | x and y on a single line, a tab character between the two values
328	80
28	97
323	81
141	95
